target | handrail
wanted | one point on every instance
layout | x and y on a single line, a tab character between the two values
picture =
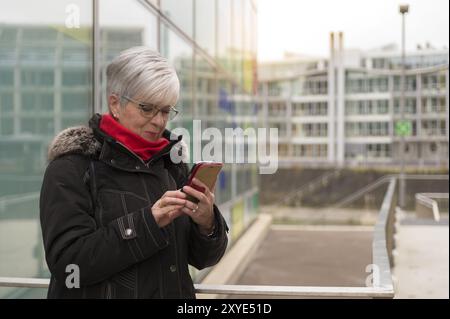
297	291
380	181
383	240
428	200
310	185
17	199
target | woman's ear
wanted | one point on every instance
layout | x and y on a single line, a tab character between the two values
114	105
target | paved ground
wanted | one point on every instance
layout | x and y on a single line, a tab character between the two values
311	256
422	261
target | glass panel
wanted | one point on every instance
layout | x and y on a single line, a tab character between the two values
179	12
205	25
237	40
42	61
180	55
6	77
206	89
224	33
122	29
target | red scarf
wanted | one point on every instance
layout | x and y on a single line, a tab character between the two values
140	146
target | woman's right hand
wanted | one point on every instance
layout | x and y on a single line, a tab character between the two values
168	207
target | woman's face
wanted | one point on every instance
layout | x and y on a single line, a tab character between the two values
130	117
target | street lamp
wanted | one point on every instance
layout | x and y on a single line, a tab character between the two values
404	8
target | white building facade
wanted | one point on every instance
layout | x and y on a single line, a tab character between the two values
343	110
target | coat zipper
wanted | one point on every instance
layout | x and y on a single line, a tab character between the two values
132	153
152	159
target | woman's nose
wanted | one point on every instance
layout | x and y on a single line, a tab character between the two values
158	119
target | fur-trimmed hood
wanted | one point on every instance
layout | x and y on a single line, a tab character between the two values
81	140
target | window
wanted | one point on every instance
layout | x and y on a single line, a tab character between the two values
433	147
74	77
37	77
6	77
277	109
6	103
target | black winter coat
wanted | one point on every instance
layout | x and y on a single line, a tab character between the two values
95	210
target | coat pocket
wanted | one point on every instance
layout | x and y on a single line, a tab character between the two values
115	204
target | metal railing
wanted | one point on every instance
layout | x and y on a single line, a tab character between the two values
428	201
382	246
313	185
17	199
381	181
264	291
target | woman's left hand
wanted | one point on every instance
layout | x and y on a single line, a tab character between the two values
201	213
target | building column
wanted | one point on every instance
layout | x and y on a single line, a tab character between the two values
341	103
289	121
446	106
391	116
418	119
331	101
265	104
17	98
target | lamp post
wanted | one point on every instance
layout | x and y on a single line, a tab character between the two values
404	8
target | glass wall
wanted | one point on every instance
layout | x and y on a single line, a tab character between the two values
46	85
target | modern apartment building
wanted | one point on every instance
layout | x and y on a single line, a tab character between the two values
343	110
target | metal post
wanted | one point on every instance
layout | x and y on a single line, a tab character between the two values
403	9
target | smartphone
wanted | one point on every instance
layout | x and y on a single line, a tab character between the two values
207	173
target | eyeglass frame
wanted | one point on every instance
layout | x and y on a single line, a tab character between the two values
141	106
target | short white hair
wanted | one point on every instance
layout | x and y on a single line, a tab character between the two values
143	74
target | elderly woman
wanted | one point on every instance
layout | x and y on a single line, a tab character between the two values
112	210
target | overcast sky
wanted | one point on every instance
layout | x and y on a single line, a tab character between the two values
303	26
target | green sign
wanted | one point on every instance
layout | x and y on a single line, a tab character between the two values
403	128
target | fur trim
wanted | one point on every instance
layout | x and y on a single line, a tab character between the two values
81	140
74	140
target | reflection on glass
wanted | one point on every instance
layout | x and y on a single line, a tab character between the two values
205	28
224	25
45	86
180	55
179	12
122	29
206	89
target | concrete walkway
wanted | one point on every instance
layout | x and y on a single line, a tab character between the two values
422	261
311	256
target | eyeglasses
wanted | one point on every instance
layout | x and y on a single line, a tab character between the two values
149	111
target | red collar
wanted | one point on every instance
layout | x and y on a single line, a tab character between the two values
140	146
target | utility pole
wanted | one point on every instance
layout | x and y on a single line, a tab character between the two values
404	8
